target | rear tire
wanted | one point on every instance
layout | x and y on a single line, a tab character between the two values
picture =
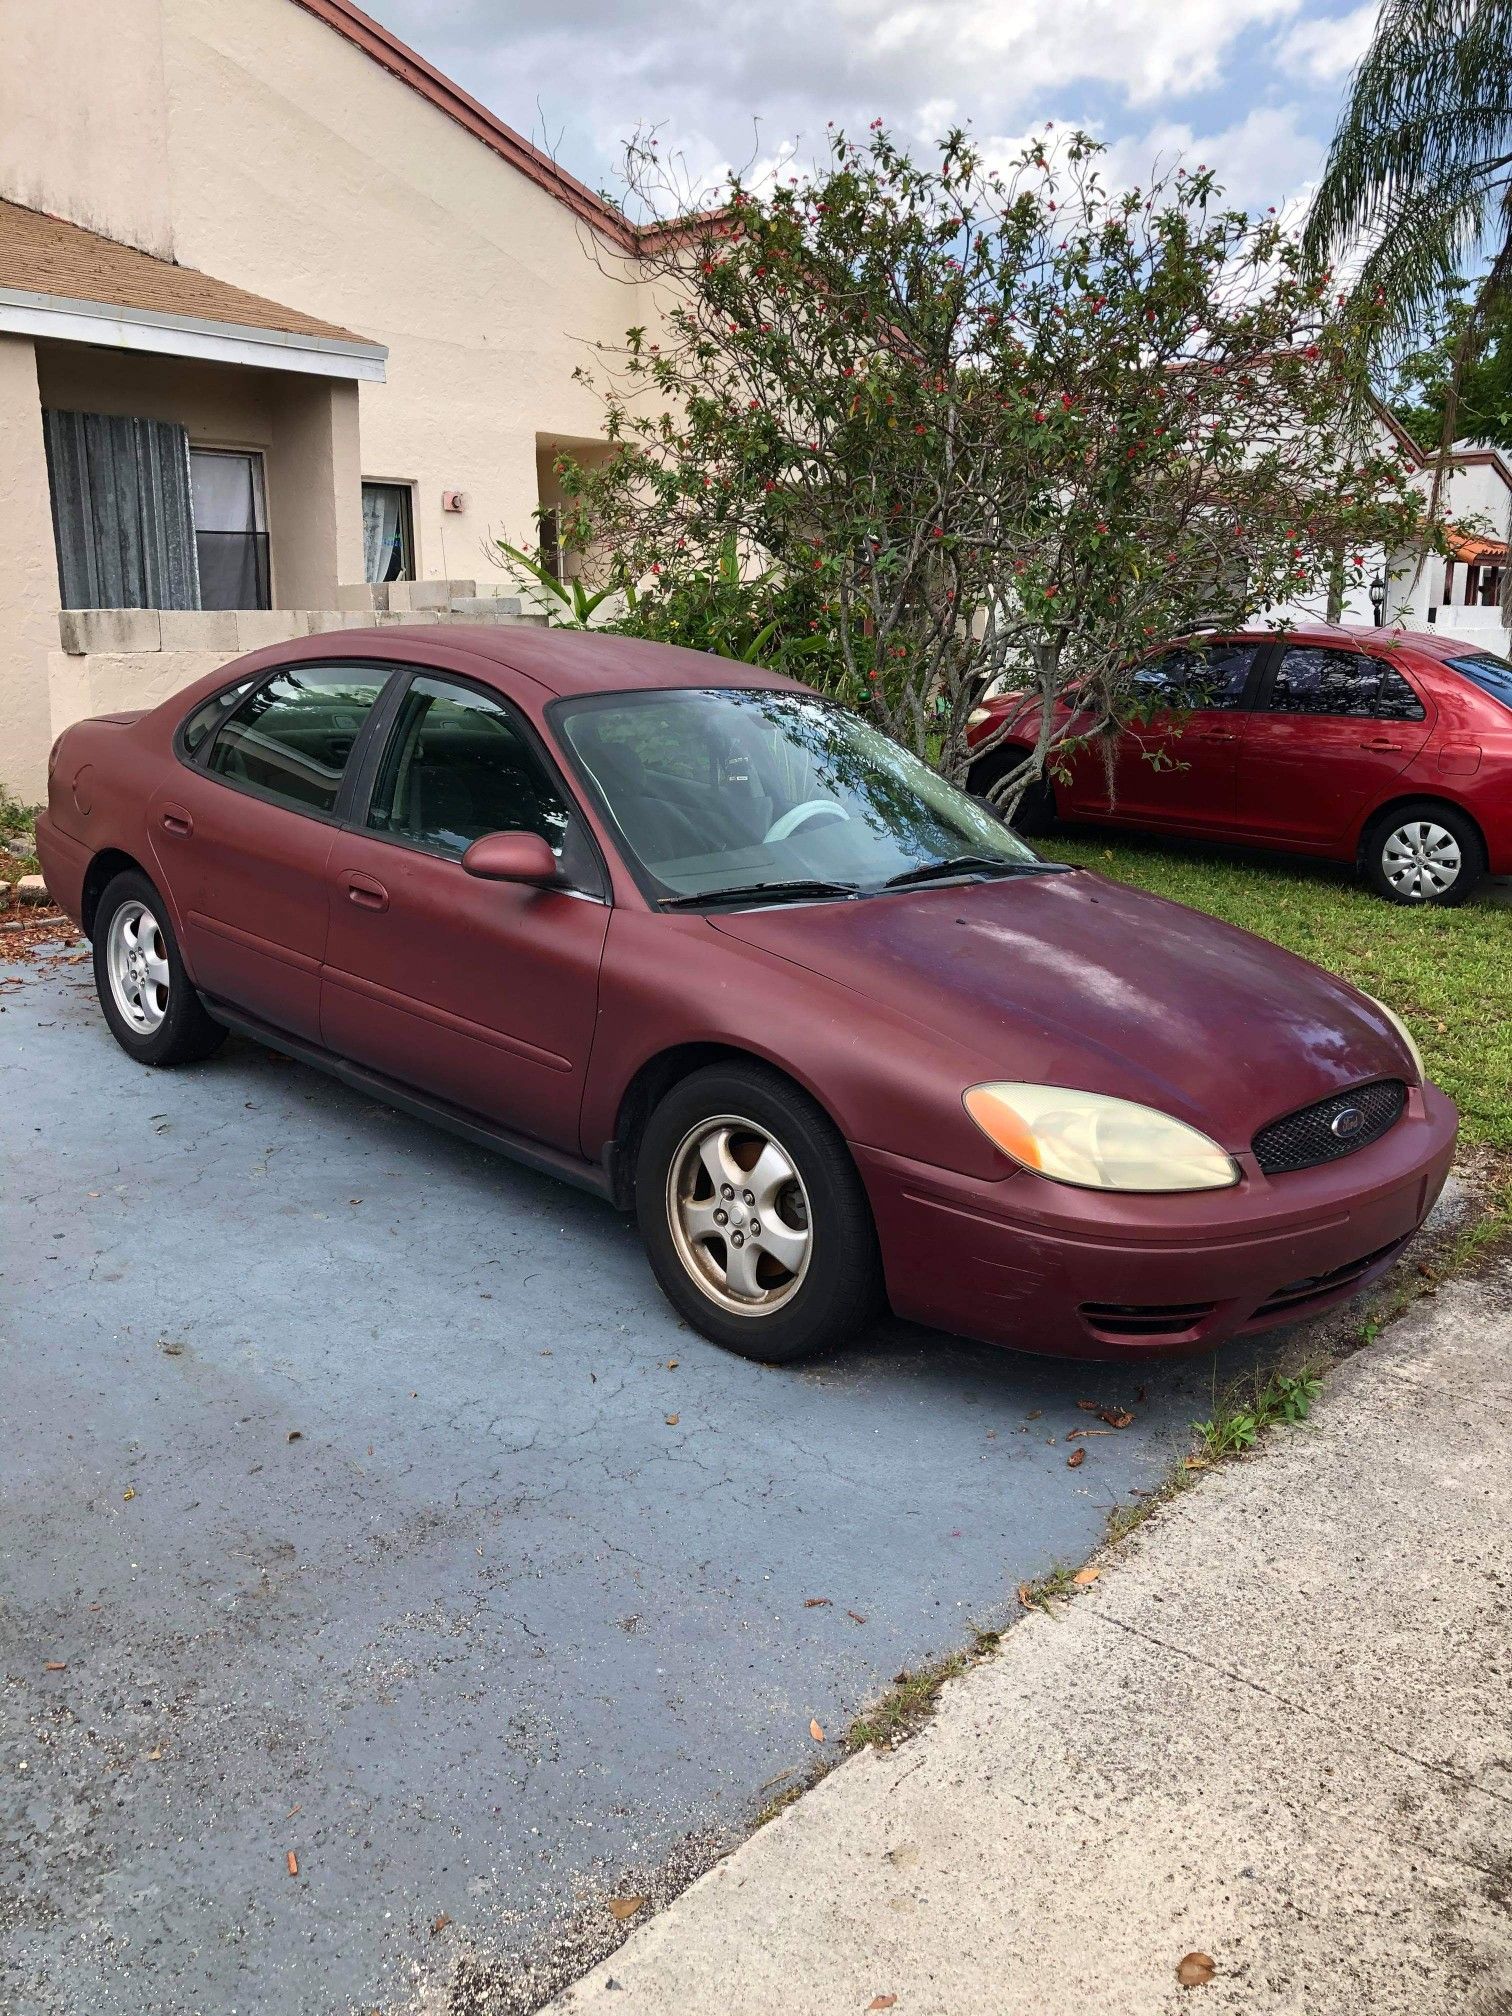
1422	854
1034	815
753	1216
149	1000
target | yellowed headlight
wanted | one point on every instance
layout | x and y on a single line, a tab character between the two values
1096	1142
1406	1035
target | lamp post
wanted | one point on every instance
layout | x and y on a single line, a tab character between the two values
1378	596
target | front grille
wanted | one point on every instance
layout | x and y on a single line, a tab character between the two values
1304	1139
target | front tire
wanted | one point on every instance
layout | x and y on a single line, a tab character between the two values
753	1216
149	1000
1424	854
1034	814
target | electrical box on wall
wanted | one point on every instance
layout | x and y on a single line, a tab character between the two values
453	500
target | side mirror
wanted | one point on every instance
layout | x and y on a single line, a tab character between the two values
511	857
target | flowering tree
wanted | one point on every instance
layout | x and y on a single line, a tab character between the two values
1001	426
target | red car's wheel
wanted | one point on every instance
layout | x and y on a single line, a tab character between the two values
1424	853
149	1000
753	1215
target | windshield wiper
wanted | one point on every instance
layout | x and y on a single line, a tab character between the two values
967	864
761	892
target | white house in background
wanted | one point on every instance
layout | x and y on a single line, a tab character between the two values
1459	595
288	325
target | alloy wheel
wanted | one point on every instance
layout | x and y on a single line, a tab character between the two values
136	960
1421	860
739	1215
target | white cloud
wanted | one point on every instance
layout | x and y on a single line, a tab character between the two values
1251	87
1266	158
1326	50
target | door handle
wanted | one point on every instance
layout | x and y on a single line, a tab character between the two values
1381	743
365	891
176	821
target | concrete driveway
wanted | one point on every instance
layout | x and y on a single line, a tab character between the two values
363	1501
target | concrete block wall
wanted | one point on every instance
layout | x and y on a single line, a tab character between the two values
112	660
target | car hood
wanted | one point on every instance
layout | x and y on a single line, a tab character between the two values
1069	979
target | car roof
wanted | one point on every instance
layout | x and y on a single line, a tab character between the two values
580	661
1430	643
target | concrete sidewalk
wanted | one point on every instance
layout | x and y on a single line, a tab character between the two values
1277	1731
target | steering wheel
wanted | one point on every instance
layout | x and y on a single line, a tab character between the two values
799	815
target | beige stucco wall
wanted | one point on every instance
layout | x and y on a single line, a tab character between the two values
248	139
29	583
84	116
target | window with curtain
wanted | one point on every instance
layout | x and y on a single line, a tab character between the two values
123	517
388	538
230	528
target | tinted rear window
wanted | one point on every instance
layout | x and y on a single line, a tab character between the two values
1493	675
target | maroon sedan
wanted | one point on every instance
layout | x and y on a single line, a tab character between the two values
1391	750
697	939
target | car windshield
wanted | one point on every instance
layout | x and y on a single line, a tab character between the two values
723	793
1493	675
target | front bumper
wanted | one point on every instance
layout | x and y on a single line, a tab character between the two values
1092	1274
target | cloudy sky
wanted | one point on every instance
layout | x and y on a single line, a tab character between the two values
1250	87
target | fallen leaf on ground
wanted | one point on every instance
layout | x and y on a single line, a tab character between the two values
296	1434
625	1907
440	1924
672	1364
1025	1596
673	1419
1085	1577
55	1666
882	2002
1076	1456
293	1861
129	1493
1116	1417
1195	1463
855	1616
816	1602
816	1732
1090	1406
153	1756
1034	1414
1195	1970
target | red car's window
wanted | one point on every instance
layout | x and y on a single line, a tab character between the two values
1212	675
1313	679
458	767
292	738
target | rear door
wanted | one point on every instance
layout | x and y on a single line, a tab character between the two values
484	994
1333	728
243	829
1178	766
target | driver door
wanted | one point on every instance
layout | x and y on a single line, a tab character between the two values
483	994
1180	766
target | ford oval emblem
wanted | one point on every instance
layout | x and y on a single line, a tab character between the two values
1346	1123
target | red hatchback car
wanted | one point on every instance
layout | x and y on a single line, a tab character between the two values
1388	749
697	939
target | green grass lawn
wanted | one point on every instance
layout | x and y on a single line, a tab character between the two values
1448	973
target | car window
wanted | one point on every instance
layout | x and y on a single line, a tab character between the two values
724	790
1493	675
458	766
205	716
1313	679
291	739
1197	676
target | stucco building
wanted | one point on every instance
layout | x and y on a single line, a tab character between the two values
288	325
